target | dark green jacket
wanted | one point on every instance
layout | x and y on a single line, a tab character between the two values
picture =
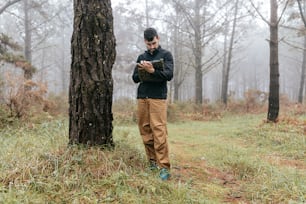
155	90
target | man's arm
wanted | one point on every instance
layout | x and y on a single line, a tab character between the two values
135	75
167	72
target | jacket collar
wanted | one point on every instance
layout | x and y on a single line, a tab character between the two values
155	51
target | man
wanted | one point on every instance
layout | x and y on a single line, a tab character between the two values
152	103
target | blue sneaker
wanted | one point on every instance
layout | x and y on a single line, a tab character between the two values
164	174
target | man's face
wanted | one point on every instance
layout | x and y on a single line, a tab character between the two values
152	45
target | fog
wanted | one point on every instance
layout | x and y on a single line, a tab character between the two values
49	25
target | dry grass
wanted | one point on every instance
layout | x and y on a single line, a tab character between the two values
232	158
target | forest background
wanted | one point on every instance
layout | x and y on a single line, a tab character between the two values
46	32
36	41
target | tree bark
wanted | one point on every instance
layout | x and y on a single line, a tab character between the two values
91	83
224	85
198	55
303	75
273	109
303	72
28	72
177	64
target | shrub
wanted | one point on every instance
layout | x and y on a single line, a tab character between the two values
26	100
5	118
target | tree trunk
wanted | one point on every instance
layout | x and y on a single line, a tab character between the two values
199	84
63	64
91	84
224	68
177	51
198	55
274	65
176	63
303	75
147	14
227	68
303	72
28	71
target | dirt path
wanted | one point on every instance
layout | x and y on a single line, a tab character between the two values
200	176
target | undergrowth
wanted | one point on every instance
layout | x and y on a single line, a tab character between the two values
37	166
217	156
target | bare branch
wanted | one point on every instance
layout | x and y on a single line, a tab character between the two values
211	66
8	4
283	11
257	11
291	28
292	45
210	59
301	12
186	13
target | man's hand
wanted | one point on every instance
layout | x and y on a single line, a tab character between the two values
146	65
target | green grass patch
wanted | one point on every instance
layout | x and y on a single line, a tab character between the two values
233	159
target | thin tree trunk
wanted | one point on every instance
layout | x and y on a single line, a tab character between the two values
28	71
230	50
303	75
227	67
147	14
303	72
91	83
198	55
224	68
176	71
179	73
62	66
273	109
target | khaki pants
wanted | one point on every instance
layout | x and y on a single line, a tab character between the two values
152	123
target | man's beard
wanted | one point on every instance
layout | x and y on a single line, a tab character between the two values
152	50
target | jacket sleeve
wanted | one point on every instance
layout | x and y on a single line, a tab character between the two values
167	73
135	75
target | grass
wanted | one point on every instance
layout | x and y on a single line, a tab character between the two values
236	159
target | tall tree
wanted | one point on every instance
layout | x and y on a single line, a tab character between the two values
302	10
201	30
177	79
91	84
228	57
273	106
181	58
32	28
5	43
33	25
28	38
